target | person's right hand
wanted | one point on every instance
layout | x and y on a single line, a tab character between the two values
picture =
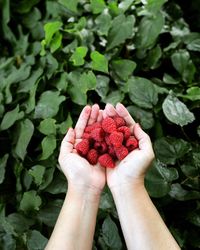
133	167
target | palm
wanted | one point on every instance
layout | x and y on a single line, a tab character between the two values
80	172
132	167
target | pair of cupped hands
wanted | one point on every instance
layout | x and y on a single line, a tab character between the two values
84	176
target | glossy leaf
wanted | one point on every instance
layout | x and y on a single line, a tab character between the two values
26	129
142	92
176	111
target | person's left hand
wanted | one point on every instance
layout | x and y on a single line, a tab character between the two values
78	171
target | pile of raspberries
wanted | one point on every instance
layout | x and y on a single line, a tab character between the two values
106	142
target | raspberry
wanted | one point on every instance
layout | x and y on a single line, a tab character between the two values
97	134
119	121
109	125
86	136
106	161
111	152
131	143
95	125
116	139
125	130
107	140
101	147
92	156
121	152
83	147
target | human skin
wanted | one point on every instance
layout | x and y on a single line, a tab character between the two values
75	225
142	226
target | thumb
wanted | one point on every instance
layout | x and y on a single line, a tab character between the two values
143	139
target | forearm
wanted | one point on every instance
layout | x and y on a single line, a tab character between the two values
142	226
76	222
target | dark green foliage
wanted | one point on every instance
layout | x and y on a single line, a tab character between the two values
57	56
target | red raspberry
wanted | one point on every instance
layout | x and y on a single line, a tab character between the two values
106	161
111	152
86	136
97	134
83	147
121	152
92	156
131	143
107	140
125	130
101	147
119	121
109	125
95	125
116	139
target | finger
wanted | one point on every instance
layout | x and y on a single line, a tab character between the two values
82	122
123	112
143	138
110	110
68	142
100	116
94	114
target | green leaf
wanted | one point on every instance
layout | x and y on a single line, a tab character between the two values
169	79
58	185
180	194
8	242
97	6
102	87
48	126
154	6
26	129
157	185
48	146
125	5
78	56
114	97
121	29
153	57
142	92
50	29
81	83
48	104
36	241
144	117
111	234
182	63
70	4
65	125
30	201
169	149
103	23
3	162
19	222
56	42
11	117
49	213
149	30
193	94
99	62
193	41
123	68
176	111
37	172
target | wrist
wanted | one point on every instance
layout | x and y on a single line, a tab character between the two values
87	193
127	188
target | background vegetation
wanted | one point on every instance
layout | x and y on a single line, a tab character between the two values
57	56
